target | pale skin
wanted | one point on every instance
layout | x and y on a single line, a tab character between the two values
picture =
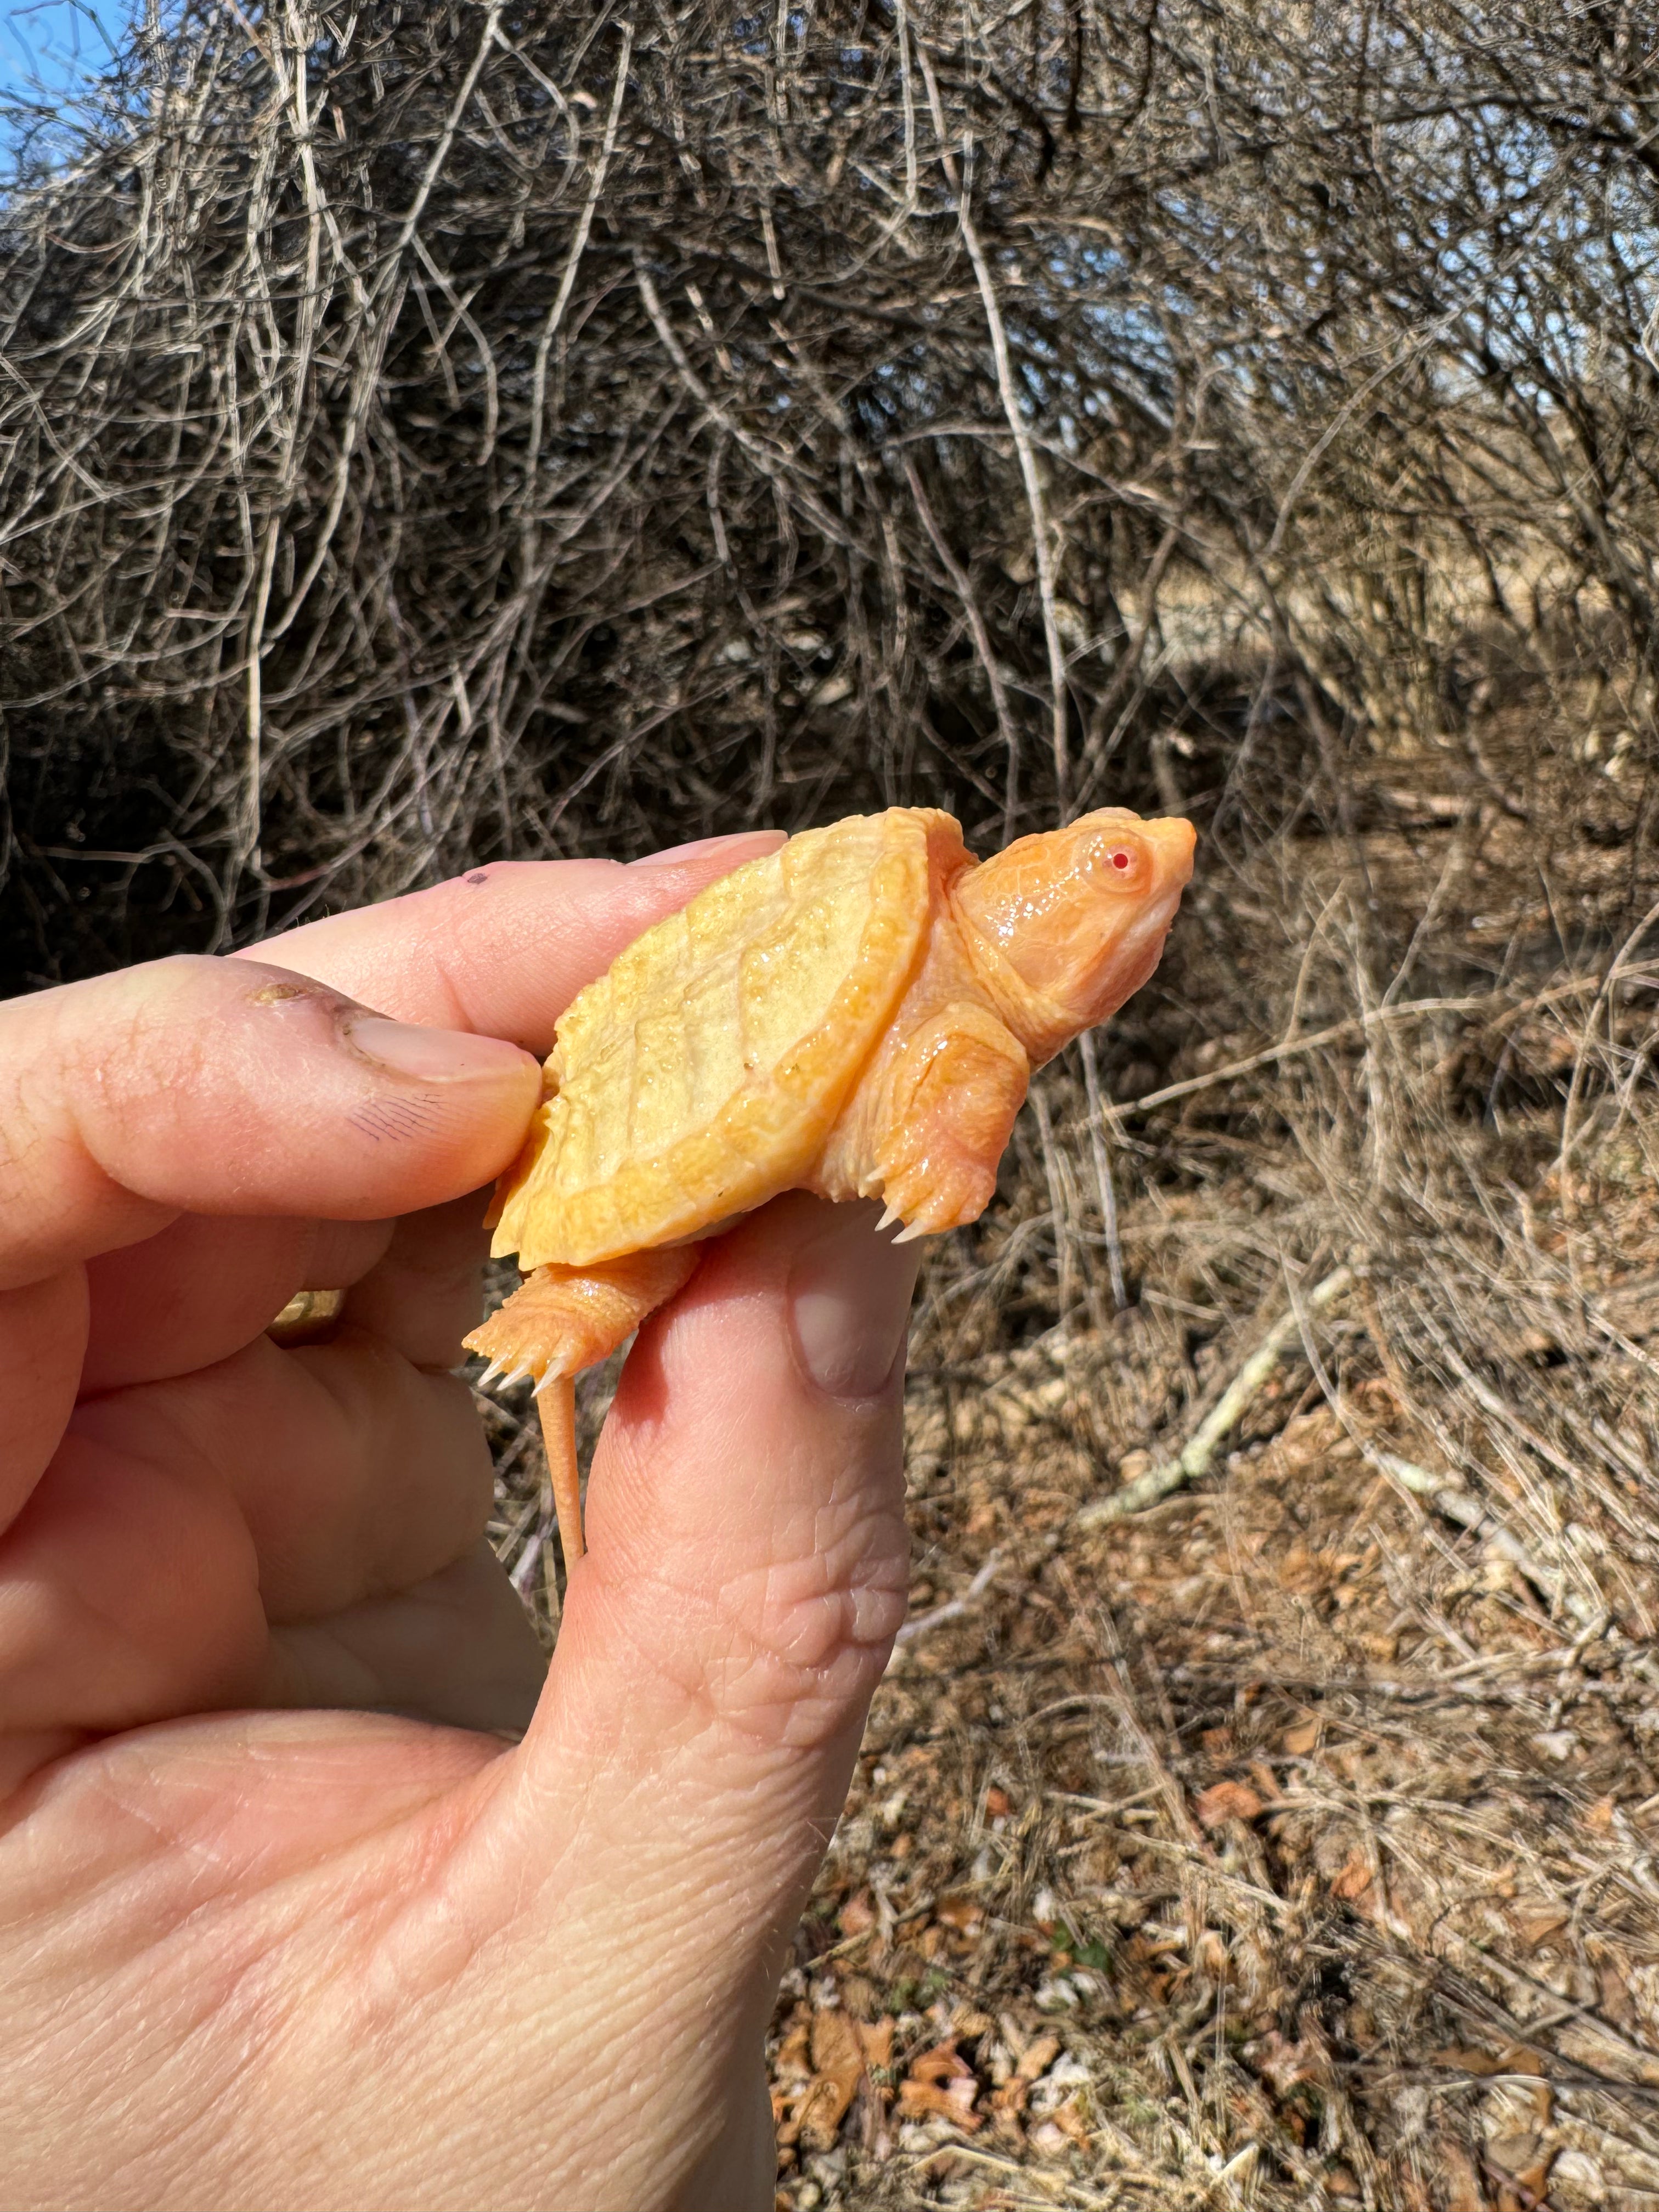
261	1946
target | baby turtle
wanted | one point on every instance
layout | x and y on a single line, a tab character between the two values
856	1014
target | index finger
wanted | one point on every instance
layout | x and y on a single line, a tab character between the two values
503	950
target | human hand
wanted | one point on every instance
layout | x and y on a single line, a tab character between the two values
259	1948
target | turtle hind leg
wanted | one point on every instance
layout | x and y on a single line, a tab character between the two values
560	1321
955	1092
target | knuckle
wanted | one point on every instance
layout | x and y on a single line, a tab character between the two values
807	1636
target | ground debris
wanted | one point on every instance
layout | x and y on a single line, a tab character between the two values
1290	1841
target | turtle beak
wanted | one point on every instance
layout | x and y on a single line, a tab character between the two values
1172	841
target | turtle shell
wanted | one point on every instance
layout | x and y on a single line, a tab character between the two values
699	1075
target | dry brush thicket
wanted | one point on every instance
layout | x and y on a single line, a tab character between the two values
431	434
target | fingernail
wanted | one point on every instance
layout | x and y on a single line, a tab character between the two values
699	848
436	1055
850	1294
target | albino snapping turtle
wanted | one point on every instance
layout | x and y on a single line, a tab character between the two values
856	1014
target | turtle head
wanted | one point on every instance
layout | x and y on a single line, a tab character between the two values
1080	914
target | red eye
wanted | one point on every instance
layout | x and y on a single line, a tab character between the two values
1122	864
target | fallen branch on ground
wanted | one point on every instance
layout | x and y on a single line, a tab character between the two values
1196	1457
952	1608
1468	1511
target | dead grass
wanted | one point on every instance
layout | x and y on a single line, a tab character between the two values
1289	1843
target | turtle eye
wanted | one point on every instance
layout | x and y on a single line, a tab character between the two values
1120	862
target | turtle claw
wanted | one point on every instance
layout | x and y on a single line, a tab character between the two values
489	1374
909	1236
890	1215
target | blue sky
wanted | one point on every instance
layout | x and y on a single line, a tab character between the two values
61	42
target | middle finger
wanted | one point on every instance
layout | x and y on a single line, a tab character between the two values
355	1472
426	1290
203	1288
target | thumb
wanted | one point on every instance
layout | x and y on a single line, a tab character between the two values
746	1572
749	1560
224	1087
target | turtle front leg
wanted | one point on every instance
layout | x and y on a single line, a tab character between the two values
951	1097
560	1321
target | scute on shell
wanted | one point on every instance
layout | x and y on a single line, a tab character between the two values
699	1075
